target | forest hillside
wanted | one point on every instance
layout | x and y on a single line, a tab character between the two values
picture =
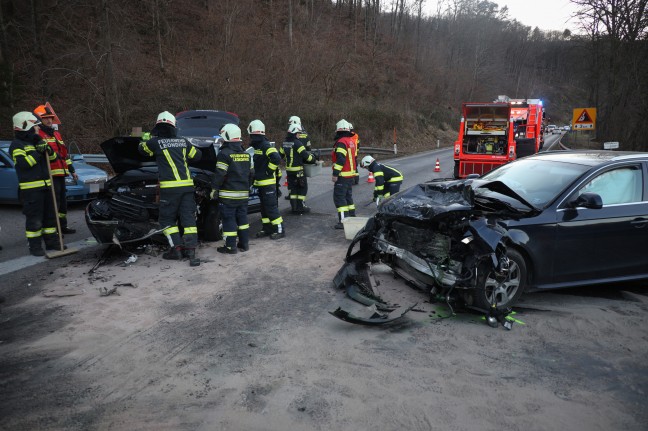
109	65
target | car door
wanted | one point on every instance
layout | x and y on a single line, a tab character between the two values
610	242
8	179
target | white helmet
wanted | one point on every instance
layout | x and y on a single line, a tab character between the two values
342	126
366	161
256	127
294	128
24	121
231	132
167	118
350	126
294	120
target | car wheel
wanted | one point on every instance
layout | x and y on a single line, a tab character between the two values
504	293
455	172
212	227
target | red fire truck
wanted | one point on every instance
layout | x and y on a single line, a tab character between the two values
495	133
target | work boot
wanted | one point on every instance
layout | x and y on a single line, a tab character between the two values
68	230
226	250
339	225
243	247
190	253
262	234
303	209
52	242
294	206
36	247
173	253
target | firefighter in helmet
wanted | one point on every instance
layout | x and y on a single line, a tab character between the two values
388	179
344	170
177	201
231	187
296	155
266	162
31	156
61	166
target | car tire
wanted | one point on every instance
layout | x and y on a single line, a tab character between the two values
508	292
212	226
455	172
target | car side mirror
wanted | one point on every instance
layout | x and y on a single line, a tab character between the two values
587	200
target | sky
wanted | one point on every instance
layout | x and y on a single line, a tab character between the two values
545	14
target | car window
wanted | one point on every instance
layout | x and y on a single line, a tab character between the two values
537	181
618	186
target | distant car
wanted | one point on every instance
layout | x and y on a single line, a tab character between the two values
550	129
127	211
91	179
563	219
566	128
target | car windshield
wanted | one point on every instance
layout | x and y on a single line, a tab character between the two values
539	182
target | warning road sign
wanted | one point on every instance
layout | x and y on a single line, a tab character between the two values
584	119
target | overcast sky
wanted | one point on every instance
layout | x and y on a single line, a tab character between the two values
545	14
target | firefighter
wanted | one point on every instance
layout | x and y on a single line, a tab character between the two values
295	154
303	134
356	138
31	156
177	199
388	179
344	169
61	167
231	187
266	162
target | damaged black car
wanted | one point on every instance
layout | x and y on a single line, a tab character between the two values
552	220
126	212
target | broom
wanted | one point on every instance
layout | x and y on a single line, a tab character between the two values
62	251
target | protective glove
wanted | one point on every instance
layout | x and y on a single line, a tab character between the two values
378	199
44	148
213	195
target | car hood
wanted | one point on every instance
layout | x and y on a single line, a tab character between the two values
123	155
434	200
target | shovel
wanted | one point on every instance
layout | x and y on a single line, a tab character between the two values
62	251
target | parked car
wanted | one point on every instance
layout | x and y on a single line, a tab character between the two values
551	220
127	210
91	179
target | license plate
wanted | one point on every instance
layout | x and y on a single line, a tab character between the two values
94	188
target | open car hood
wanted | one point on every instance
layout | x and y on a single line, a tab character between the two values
123	155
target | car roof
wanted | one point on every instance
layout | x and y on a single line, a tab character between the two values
588	157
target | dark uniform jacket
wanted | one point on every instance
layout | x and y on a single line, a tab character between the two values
305	139
31	165
384	174
266	161
296	154
233	174
171	154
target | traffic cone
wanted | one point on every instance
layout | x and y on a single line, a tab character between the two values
286	182
437	167
371	178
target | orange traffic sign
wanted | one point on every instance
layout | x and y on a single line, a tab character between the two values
584	119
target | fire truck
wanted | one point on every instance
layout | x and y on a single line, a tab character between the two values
495	133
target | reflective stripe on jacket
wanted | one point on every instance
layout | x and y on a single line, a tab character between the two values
233	174
31	166
62	164
344	157
171	155
266	161
296	154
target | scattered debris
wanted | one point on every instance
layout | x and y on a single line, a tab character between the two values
128	284
373	317
63	292
131	259
104	291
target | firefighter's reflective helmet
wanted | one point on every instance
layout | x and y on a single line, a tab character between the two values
231	132
294	128
24	121
167	118
342	126
366	161
256	127
294	120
